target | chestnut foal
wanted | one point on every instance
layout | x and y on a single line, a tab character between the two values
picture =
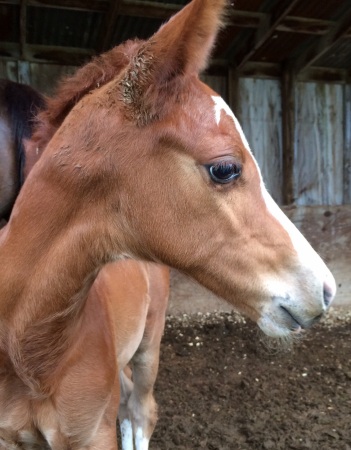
153	165
143	286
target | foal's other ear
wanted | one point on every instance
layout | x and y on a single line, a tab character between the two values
183	45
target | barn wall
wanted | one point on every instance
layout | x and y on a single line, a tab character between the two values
42	77
319	144
258	109
347	144
322	138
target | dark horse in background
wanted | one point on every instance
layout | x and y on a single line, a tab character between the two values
19	104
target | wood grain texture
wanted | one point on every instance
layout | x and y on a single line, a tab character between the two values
319	143
260	114
347	144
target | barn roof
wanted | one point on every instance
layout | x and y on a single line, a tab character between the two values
263	37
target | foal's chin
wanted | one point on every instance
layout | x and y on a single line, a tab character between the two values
275	329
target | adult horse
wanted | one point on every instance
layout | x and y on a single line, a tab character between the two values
142	288
152	164
18	105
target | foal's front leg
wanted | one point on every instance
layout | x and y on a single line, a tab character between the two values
125	420
138	410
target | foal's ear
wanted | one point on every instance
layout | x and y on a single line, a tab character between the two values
183	45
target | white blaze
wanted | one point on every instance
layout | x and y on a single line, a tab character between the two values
308	256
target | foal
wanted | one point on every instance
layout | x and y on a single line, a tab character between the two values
154	165
143	286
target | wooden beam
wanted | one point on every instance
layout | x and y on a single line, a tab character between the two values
253	69
288	119
264	33
347	144
78	5
339	31
108	25
323	74
23	27
233	89
70	56
304	25
148	9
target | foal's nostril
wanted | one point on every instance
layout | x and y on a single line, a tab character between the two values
328	294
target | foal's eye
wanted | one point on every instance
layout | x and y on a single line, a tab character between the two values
224	171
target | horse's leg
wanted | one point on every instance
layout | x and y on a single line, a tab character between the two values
142	405
125	421
145	362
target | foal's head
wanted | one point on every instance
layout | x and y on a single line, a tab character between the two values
168	160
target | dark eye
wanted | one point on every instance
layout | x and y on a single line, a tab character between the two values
224	171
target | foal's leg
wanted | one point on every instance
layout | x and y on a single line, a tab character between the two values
138	410
141	404
125	421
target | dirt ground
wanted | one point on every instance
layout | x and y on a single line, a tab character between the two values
221	387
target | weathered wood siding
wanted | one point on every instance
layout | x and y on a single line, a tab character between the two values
347	144
259	112
319	144
42	77
218	84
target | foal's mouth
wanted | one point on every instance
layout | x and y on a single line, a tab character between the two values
295	324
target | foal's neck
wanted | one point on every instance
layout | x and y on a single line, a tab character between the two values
53	245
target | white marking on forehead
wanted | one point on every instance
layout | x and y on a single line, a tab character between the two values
220	105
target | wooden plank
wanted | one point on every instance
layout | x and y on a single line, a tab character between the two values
319	144
61	55
323	74
44	77
329	232
338	32
23	27
47	53
24	72
218	83
264	33
8	70
347	145
288	131
305	25
259	112
108	27
77	5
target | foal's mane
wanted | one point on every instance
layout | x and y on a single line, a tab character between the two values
72	89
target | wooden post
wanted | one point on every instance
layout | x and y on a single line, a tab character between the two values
347	143
233	89
288	118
